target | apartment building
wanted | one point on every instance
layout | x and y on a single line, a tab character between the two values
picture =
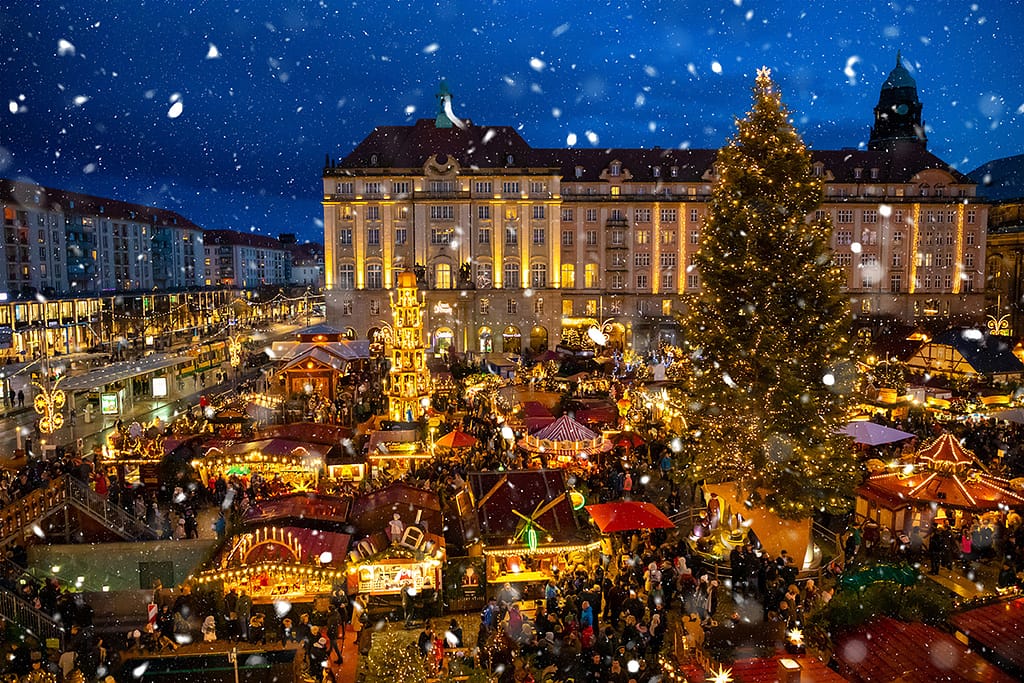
243	260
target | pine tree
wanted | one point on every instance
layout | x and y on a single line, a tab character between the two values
767	333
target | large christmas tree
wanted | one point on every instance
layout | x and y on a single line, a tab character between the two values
768	332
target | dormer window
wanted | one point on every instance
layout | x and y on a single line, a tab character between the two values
874	174
657	171
675	171
374	160
857	173
818	170
616	169
510	160
579	171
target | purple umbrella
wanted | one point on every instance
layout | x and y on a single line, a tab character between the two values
873	434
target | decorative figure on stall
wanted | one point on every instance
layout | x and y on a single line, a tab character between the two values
395	528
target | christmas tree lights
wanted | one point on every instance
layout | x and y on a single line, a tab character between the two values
767	335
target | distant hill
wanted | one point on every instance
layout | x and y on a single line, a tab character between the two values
1001	179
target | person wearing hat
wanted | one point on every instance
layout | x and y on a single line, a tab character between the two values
38	673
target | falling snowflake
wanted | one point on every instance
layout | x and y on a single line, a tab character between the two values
212	52
65	48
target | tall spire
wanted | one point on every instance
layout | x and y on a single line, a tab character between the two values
444	105
898	112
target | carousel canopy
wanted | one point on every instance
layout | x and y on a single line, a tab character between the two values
565	435
271	447
944	473
311	544
308	432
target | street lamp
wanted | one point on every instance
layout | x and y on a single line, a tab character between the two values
49	400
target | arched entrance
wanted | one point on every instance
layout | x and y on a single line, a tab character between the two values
538	339
512	340
444	341
485	340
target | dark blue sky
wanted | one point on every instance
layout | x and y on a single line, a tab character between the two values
265	89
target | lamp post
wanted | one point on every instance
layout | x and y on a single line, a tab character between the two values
49	400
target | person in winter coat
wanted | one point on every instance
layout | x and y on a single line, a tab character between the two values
209	629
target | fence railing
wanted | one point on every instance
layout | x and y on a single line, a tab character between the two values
113	516
19	613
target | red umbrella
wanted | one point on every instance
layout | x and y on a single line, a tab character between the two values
628	516
457	439
629	440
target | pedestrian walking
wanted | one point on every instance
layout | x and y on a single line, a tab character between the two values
21	398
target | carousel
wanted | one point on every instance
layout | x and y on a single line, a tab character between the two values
944	480
565	443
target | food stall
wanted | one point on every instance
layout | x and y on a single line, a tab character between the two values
528	528
291	465
392	453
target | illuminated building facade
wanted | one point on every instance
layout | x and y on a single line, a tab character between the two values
514	245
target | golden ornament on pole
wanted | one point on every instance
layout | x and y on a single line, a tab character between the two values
48	403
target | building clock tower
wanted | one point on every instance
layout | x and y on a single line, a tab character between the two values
898	112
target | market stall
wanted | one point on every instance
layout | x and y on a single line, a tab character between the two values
392	453
528	529
272	563
284	464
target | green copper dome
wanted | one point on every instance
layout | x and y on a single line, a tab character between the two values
899	77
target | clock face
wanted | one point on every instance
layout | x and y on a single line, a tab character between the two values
901	109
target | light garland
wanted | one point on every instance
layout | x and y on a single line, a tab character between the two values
545	549
48	404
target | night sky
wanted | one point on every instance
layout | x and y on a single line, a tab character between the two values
223	111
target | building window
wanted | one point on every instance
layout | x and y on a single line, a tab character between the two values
616	281
591	215
373	236
346	307
442	276
590	276
969	237
400	187
567	307
483	235
668	261
971	215
345	236
538	212
567	214
512	306
692	281
374	306
346	276
591	307
642	215
372	188
568	276
842	259
538	306
870	216
536	188
401	235
895	283
897	237
668	237
510	187
373	213
483	212
538	276
511	236
567	237
616	169
618	238
343	188
641	260
483	187
374	276
591	238
843	237
643	236
485	306
538	236
668	215
512	280
969	259
442	212
844	216
440	236
641	281
897	259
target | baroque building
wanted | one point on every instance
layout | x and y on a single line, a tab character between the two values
520	248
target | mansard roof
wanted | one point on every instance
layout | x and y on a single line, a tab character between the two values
484	148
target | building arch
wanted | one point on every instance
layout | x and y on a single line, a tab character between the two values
444	340
538	339
485	339
512	340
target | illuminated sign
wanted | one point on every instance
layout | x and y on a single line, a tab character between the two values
159	387
110	403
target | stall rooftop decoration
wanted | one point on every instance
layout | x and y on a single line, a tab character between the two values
943	474
294	464
508	506
408	391
565	441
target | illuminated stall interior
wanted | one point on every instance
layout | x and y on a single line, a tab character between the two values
134	454
528	527
288	465
392	453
